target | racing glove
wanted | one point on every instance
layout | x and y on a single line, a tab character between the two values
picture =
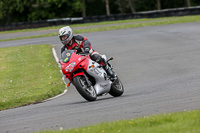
86	51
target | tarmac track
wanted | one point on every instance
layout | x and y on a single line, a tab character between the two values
159	67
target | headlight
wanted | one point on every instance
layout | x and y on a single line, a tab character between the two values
70	67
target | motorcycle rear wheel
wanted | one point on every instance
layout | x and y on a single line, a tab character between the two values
117	88
84	90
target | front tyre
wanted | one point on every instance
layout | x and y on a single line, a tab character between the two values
117	88
84	90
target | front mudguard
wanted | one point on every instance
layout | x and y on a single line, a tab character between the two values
78	74
70	77
83	74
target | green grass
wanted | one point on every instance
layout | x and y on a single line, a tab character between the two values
78	25
29	37
111	25
28	74
182	122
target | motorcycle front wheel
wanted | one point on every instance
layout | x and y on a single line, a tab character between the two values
84	90
117	88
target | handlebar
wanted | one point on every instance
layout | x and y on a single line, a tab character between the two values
83	54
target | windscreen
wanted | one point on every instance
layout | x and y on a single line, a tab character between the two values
66	55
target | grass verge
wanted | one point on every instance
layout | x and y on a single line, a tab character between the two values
79	25
111	25
28	74
182	122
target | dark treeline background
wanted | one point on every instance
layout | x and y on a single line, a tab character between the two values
12	11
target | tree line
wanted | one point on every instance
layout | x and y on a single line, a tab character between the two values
12	11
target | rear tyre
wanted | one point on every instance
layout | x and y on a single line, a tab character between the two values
117	88
84	90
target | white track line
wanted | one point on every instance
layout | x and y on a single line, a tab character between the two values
65	91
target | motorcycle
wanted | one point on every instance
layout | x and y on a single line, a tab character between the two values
89	77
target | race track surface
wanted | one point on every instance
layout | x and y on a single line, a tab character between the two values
159	67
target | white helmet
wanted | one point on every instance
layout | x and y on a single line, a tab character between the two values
65	34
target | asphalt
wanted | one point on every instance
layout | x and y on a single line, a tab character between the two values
158	66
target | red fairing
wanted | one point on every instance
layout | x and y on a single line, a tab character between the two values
76	62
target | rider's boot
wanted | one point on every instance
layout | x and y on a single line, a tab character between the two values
102	61
109	71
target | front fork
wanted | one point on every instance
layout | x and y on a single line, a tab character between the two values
87	80
86	77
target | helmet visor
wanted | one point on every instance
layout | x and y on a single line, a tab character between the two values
64	37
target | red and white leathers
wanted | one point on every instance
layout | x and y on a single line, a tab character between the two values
81	44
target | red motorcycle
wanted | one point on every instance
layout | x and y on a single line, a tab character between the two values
89	77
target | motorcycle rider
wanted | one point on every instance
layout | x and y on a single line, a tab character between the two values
81	44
